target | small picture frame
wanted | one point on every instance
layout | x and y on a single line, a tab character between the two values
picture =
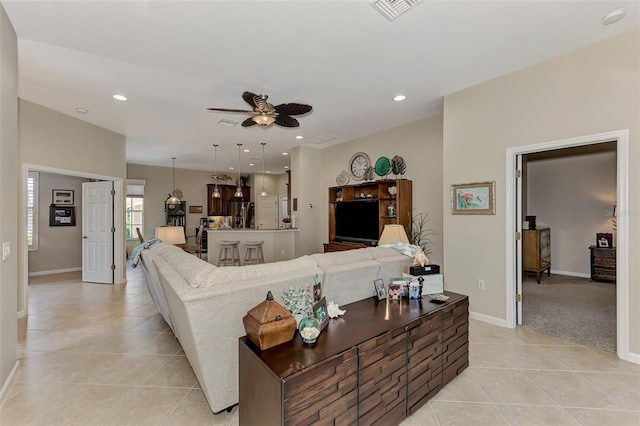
62	216
604	240
62	197
195	209
380	289
317	292
395	291
320	313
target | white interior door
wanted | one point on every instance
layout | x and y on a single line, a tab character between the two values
267	212
519	217
97	232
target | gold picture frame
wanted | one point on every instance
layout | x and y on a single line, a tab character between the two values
473	198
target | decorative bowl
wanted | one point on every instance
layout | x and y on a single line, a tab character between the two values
309	329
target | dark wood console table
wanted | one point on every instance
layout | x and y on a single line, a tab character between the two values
364	369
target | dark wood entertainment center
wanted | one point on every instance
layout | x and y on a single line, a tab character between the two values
367	367
379	192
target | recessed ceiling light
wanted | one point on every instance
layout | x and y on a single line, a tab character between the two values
231	168
82	110
246	150
299	137
268	171
251	164
286	167
285	153
613	17
399	98
118	97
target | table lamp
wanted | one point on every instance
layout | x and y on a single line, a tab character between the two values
393	233
170	234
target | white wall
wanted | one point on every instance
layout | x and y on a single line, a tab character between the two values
9	195
574	196
59	247
589	91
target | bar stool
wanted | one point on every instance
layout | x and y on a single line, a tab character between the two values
229	253
253	252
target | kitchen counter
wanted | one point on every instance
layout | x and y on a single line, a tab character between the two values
279	244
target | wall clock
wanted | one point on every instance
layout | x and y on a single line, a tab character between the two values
358	165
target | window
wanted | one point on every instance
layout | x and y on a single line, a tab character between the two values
134	215
32	210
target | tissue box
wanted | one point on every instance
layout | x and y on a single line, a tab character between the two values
422	270
431	283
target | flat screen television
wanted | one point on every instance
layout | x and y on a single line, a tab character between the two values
357	222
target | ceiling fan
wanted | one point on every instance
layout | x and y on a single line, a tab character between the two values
265	114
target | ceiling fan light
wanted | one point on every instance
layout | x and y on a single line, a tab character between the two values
263	119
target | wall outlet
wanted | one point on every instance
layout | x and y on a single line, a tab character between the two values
481	284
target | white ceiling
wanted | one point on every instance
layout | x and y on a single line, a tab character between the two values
173	59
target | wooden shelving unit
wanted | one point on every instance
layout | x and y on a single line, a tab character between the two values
377	190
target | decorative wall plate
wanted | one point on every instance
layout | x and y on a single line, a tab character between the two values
342	178
368	174
383	165
398	167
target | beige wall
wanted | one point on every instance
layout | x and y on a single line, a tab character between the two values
59	247
9	195
574	196
307	175
420	144
589	91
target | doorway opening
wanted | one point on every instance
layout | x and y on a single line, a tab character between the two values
514	228
118	220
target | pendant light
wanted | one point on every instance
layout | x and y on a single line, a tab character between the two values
263	192
173	199
238	193
216	191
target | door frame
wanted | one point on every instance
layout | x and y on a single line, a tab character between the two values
621	137
120	277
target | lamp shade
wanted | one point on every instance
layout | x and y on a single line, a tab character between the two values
393	233
170	234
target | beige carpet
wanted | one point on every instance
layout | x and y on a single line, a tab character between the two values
571	308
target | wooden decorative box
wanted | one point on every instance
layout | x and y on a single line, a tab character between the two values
269	324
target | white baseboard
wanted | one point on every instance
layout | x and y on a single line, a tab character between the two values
571	274
488	319
631	357
55	271
7	384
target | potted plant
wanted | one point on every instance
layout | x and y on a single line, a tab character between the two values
420	233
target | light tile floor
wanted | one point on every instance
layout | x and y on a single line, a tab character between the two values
94	354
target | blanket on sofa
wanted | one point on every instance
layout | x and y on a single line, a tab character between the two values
135	254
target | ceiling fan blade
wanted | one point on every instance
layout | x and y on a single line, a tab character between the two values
286	121
293	109
244	111
250	98
248	122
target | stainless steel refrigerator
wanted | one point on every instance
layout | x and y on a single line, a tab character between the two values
241	213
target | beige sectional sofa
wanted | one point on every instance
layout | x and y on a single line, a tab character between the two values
204	304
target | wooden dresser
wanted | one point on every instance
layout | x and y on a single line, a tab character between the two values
362	370
603	264
536	251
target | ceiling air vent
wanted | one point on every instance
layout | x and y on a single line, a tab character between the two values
391	9
229	123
